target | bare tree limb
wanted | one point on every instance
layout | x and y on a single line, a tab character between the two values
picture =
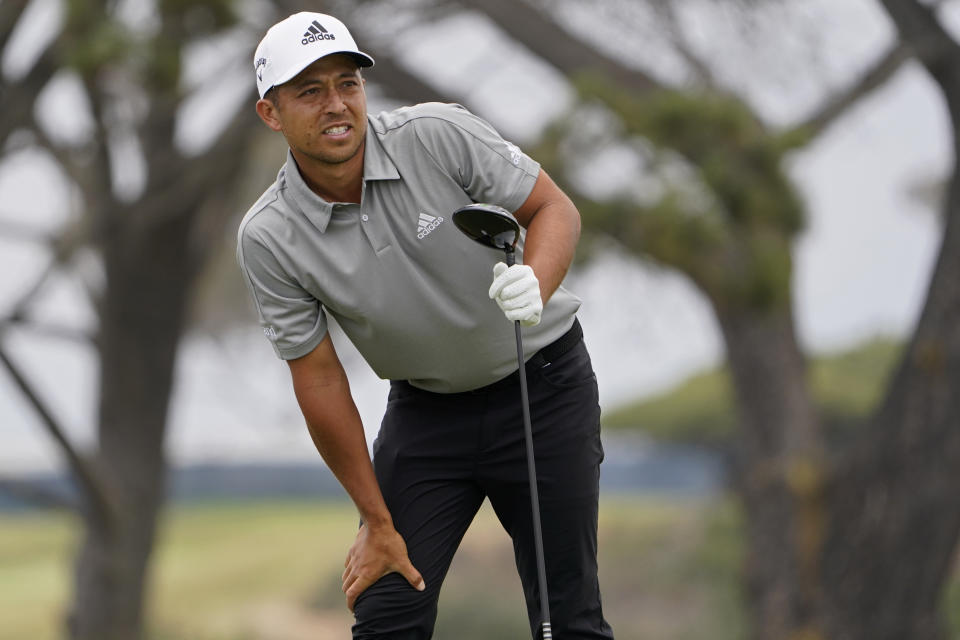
10	14
17	99
875	77
63	246
547	39
399	83
701	71
60	155
93	489
18	308
48	330
923	33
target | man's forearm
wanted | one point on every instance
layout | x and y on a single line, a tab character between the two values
337	431
550	245
553	230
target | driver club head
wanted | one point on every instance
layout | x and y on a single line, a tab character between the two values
488	224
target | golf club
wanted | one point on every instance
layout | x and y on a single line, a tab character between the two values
495	227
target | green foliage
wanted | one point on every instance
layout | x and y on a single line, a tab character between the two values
726	214
846	388
738	159
90	40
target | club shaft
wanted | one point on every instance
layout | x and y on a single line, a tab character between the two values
532	478
534	495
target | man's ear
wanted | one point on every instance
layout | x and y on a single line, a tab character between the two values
268	113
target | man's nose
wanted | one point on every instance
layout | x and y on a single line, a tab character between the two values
335	102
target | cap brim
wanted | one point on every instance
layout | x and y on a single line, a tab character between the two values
362	59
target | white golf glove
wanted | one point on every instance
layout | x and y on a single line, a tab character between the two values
517	293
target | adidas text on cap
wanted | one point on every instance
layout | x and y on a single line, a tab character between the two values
293	44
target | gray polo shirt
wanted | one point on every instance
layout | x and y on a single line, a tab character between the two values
408	289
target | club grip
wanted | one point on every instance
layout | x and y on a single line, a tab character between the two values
510	258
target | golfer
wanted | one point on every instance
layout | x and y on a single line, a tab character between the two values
358	227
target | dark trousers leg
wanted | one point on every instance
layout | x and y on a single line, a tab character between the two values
565	415
424	461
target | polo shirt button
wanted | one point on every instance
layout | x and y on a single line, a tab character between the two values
364	217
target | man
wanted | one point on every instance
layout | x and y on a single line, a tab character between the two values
358	226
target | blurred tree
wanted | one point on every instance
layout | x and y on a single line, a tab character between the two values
851	542
152	234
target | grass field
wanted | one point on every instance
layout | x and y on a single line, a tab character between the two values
271	571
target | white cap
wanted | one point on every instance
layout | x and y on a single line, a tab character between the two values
292	45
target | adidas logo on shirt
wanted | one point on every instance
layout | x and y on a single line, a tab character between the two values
427	224
515	153
316	32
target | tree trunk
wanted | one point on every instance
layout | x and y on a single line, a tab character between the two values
859	550
141	319
896	517
778	470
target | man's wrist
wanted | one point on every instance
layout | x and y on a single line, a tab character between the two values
377	521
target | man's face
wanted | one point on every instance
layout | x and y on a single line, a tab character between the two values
322	112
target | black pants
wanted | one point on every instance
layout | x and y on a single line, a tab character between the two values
438	455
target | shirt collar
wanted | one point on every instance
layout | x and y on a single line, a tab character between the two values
377	165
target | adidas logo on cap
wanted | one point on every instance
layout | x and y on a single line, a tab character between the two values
316	32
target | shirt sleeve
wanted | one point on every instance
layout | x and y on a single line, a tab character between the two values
292	319
489	168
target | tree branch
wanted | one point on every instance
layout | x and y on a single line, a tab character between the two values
17	100
399	83
919	28
10	14
701	71
547	39
837	104
93	490
48	330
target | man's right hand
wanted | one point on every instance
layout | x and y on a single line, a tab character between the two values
375	553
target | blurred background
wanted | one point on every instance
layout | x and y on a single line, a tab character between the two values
769	273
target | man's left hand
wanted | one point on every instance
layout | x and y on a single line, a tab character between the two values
517	292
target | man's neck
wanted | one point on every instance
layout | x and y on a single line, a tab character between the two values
341	182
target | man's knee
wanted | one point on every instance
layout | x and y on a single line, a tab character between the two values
392	609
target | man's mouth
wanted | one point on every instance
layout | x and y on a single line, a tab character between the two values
337	130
